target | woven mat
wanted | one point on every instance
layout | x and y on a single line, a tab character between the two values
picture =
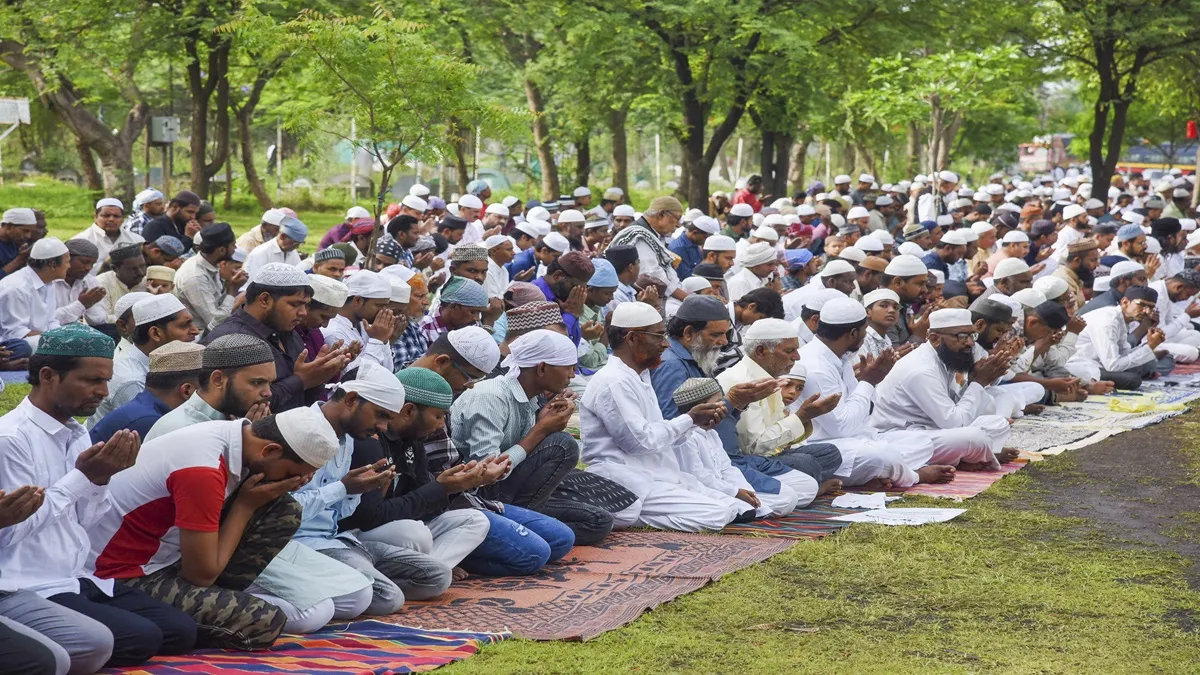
811	522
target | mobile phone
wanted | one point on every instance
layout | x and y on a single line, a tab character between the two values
386	465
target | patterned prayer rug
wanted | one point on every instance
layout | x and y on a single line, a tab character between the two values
359	647
966	484
811	522
594	589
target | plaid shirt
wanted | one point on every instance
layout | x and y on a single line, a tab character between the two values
410	346
136	222
433	327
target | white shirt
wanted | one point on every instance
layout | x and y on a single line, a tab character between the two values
473	234
340	328
927	208
625	437
742	283
99	237
1172	264
199	287
1066	237
873	345
700	453
26	304
1104	344
1172	316
765	426
648	264
794	301
68	308
496	282
269	252
921	392
48	552
128	380
829	374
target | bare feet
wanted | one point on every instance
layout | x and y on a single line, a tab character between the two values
830	486
935	473
458	574
974	466
1100	388
1034	409
1007	455
1076	396
877	485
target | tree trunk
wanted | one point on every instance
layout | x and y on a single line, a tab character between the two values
783	157
247	147
462	148
948	134
541	140
202	82
796	174
912	149
583	160
766	160
620	146
95	182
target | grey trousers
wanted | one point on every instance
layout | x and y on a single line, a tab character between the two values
81	645
396	571
819	460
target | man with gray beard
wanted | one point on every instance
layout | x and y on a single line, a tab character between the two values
696	335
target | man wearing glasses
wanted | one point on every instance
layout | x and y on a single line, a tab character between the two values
939	388
648	234
1103	351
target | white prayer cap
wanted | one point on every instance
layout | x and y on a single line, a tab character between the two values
538	213
782	202
279	275
741	211
1093	204
982	226
1061	194
857	212
905	265
128	300
773	220
1100	284
911	249
883	236
869	243
1015	237
798	372
48	248
327	291
968	235
757	254
470	201
695	284
853	254
1132	217
757	219
356	212
557	242
541	346
1125	267
377	385
994	189
842	311
1009	206
1010	267
805	210
1187	224
19	217
635	315
418	190
156	307
866	178
719	242
571	216
1179	192
703	223
401	291
950	318
1029	297
1193	239
624	211
476	346
841	178
690	215
542	227
110	201
944	221
1073	211
947	176
417	204
963	203
816	301
276	216
838	221
509	201
496	240
954	238
528	227
771	329
965	191
880	294
145	197
1152	246
939	277
883	200
1051	286
308	434
765	232
835	267
368	284
581	192
1114	192
399	271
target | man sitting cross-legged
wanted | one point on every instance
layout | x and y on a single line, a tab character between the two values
878	460
923	392
627	440
509	415
203	512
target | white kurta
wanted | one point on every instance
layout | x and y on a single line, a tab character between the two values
794	301
269	252
626	440
496	282
742	283
99	237
701	454
765	427
128	380
873	345
1066	237
69	309
340	328
1104	344
26	304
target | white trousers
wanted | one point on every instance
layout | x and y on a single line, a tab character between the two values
804	485
300	621
1182	350
1010	399
668	506
449	537
777	504
975	444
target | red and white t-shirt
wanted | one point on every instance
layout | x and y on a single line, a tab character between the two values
180	480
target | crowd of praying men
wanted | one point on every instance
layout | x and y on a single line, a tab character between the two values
275	440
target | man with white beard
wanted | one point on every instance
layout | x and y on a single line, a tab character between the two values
696	335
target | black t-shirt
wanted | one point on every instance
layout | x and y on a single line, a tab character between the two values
164	225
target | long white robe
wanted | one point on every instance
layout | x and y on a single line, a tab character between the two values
701	454
1104	344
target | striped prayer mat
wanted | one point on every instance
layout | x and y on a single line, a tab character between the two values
359	647
966	484
593	589
811	522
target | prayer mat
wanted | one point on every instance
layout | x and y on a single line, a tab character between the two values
593	589
359	647
966	484
811	522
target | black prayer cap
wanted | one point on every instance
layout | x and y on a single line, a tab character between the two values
452	222
990	309
218	234
702	308
708	271
621	256
1053	314
1141	293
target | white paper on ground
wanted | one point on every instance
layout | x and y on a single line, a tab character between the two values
905	516
851	500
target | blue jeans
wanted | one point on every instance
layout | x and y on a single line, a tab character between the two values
519	543
20	348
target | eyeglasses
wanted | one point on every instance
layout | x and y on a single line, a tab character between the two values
961	337
467	376
656	336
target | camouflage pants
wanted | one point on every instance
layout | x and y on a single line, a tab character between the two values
226	615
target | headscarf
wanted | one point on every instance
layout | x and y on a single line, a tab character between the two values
540	346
